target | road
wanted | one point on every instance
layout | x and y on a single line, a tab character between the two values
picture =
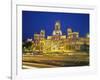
48	61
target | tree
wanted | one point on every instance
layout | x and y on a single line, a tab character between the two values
27	45
84	48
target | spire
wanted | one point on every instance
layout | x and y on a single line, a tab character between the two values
57	25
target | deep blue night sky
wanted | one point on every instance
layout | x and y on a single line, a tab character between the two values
33	22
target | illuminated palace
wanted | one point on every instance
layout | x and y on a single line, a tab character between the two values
58	42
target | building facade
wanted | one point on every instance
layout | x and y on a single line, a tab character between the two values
58	42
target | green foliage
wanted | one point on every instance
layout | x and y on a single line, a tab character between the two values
27	47
84	48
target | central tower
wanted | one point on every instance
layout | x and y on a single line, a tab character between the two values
57	30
